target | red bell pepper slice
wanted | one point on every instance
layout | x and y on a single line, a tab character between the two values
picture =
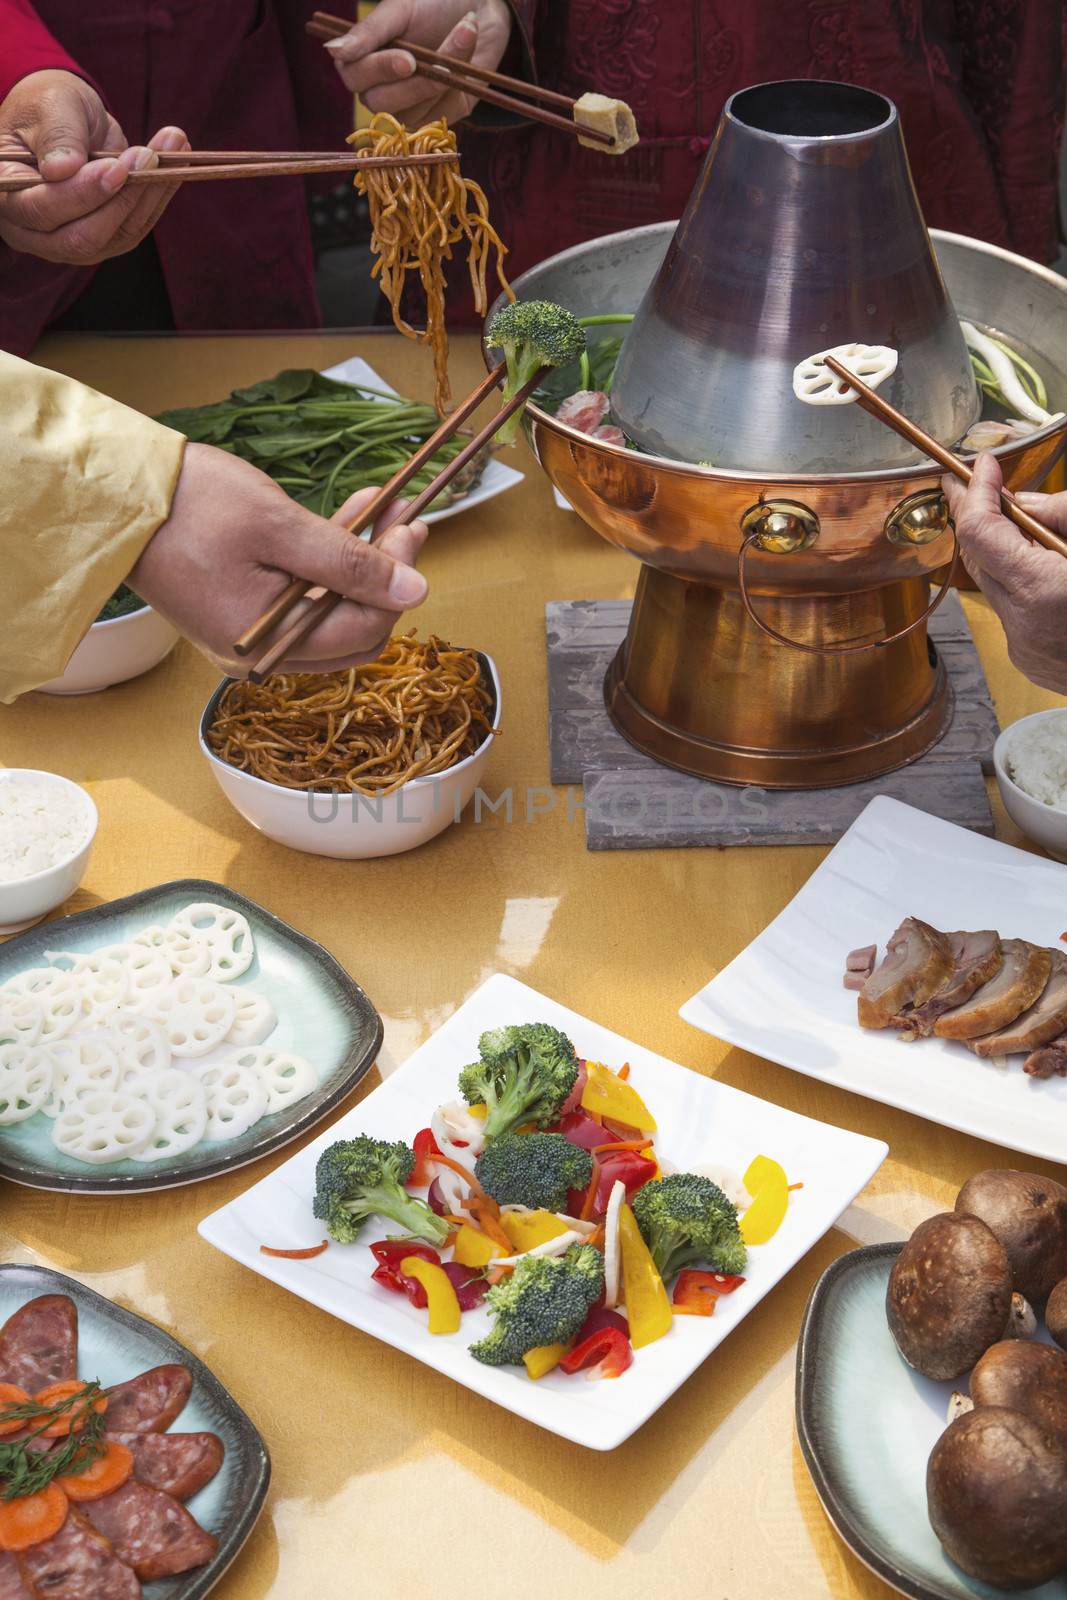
607	1348
582	1129
424	1145
389	1253
631	1166
696	1292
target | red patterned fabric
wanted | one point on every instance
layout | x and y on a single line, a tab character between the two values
979	85
236	74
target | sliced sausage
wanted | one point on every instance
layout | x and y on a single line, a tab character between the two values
11	1584
39	1343
151	1531
177	1463
150	1402
77	1563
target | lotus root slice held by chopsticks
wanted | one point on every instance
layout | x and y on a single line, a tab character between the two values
816	385
609	116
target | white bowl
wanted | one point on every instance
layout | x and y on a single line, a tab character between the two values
354	827
24	901
1046	825
115	650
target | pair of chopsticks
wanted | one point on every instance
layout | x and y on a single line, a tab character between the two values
875	406
323	601
496	87
203	166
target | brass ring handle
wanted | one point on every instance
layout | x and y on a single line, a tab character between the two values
841	649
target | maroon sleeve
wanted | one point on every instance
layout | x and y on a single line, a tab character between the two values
28	46
518	61
323	105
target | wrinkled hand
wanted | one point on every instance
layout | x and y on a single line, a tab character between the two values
1025	584
234	539
471	30
84	212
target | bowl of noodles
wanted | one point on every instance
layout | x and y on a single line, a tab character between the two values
367	762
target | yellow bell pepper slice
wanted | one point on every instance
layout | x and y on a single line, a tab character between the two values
647	1306
607	1095
768	1185
544	1358
473	1248
441	1301
527	1229
480	1111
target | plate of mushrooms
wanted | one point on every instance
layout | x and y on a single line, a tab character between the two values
931	1396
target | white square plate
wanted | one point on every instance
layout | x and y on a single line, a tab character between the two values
496	479
784	998
699	1121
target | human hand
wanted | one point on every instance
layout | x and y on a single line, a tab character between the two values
234	539
83	213
471	30
1025	584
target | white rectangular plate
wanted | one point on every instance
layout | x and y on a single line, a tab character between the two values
699	1121
784	998
496	479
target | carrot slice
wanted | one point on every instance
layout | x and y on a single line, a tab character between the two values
101	1476
12	1395
596	1238
621	1144
458	1168
72	1419
590	1194
624	1071
296	1255
793	1186
32	1518
481	1209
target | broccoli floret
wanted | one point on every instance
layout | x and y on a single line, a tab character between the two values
533	1169
544	1301
363	1177
685	1219
525	1074
532	334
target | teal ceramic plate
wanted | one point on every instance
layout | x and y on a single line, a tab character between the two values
322	1014
114	1344
867	1424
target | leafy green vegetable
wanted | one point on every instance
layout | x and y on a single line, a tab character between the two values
321	439
26	1471
121	604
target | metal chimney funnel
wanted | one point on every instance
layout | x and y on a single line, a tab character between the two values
803	232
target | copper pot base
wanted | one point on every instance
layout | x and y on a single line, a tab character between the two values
696	686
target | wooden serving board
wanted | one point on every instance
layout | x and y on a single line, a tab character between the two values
634	803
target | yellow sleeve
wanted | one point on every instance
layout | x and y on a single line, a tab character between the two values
84	484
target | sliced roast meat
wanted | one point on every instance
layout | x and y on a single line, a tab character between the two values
859	966
77	1563
918	961
1048	1062
11	1584
1044	1020
151	1531
610	434
585	410
39	1343
150	1402
977	957
1023	975
178	1463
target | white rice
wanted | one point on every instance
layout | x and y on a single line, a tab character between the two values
41	824
1036	760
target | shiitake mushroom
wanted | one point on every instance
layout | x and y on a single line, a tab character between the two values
1056	1314
949	1295
1028	1214
996	1487
1031	1378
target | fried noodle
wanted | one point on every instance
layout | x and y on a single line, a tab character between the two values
417	215
418	710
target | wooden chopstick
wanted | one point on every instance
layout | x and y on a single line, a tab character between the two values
259	169
877	407
203	158
323	600
460	75
298	589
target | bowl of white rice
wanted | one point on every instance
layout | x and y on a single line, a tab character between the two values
1030	760
47	827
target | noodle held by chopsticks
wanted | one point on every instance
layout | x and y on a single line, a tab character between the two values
417	215
418	710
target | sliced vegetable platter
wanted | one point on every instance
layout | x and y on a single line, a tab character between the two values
700	1124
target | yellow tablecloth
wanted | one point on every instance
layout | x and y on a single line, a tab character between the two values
388	1479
